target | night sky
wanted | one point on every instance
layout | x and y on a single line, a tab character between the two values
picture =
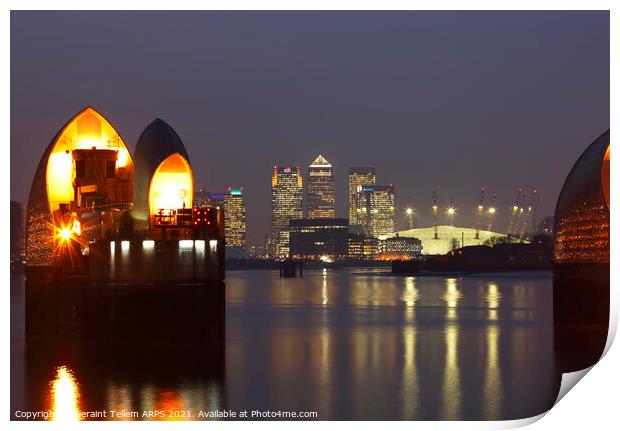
445	100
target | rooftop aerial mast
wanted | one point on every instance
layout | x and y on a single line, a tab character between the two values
520	211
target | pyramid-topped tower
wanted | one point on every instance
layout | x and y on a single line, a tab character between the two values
321	194
320	162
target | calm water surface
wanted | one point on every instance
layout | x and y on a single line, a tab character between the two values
348	344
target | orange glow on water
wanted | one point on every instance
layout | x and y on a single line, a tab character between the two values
65	396
170	401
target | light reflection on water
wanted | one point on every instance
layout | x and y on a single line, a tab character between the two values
452	376
354	345
399	347
493	376
64	396
493	298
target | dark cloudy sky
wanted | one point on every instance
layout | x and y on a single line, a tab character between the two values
445	100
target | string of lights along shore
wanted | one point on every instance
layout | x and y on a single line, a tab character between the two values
371	231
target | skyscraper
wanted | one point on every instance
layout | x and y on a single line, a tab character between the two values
376	209
203	198
286	201
234	218
321	195
319	238
216	200
359	176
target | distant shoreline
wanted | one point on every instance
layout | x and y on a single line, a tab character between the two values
249	265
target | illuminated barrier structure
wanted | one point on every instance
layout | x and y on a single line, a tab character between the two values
163	173
170	196
102	226
82	184
581	260
172	242
82	208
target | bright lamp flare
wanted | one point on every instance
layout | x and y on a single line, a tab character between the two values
65	234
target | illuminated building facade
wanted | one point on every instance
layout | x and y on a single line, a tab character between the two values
358	177
362	247
375	209
399	248
234	218
286	204
201	198
217	200
320	238
85	173
321	195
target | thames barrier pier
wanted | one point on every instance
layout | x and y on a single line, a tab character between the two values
115	248
581	260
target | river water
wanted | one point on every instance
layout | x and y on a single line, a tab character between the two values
345	344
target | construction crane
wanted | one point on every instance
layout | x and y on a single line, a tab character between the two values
517	226
491	212
435	227
480	212
534	225
515	209
451	211
530	211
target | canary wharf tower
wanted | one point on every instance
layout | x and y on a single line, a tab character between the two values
286	199
321	196
358	177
